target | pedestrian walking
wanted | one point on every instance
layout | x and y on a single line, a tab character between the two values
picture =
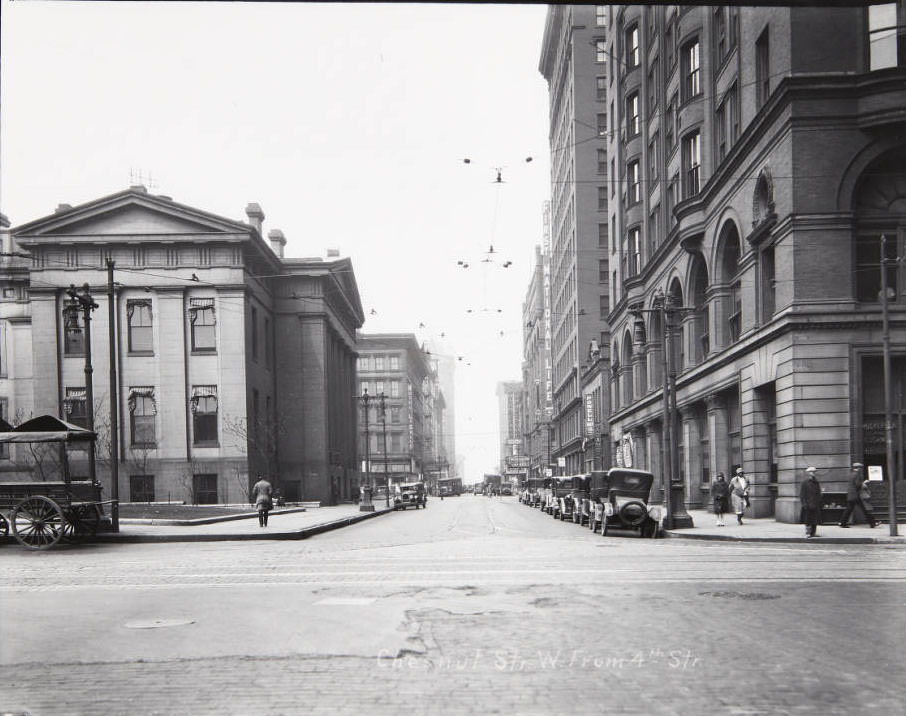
739	493
858	495
720	493
810	499
262	492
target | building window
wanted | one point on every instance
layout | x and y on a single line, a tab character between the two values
602	197
204	414
635	251
141	488
379	363
768	283
600	50
730	102
4	415
75	405
691	70
720	135
602	124
602	306
670	45
394	415
394	362
254	322
634	182
632	47
670	123
652	87
204	489
364	388
601	15
267	342
732	26
720	34
140	326
201	315
672	199
602	236
395	443
142	411
868	266
602	161
692	164
762	69
602	270
652	161
882	36
394	389
601	87
379	387
613	177
73	333
632	114
653	230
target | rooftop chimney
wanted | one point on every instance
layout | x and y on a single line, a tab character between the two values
333	253
62	207
255	215
278	241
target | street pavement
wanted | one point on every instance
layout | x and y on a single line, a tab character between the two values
294	524
474	605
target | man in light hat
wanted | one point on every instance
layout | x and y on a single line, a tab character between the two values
854	487
810	499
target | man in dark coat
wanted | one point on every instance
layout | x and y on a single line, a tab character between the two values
810	498
854	496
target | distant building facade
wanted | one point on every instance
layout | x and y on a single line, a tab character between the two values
230	359
395	365
574	63
761	155
510	412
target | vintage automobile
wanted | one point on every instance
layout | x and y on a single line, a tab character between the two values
626	506
411	494
562	495
573	502
597	495
531	495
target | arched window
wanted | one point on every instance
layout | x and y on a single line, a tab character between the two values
626	369
698	284
728	284
880	209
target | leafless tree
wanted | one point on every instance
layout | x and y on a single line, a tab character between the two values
257	440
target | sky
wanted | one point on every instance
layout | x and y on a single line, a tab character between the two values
347	123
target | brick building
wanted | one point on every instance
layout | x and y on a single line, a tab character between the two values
231	360
761	155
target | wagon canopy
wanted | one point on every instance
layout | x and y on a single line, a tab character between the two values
46	429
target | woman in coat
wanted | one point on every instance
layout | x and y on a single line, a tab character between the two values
261	493
739	493
720	492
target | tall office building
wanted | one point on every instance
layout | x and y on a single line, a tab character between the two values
510	416
761	153
574	63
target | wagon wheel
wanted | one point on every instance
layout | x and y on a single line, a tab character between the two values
38	522
82	522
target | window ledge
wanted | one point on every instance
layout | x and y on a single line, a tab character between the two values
141	353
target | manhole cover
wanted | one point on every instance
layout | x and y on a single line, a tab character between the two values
158	623
739	595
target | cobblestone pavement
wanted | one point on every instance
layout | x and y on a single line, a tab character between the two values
472	606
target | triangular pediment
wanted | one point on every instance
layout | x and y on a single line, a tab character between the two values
132	213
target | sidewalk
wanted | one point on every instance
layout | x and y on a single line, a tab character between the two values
767	529
290	523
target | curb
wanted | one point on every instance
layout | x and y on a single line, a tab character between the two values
206	520
304	533
790	540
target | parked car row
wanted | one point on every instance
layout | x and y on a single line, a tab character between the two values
603	500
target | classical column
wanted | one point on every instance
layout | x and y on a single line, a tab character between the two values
717	435
655	459
692	458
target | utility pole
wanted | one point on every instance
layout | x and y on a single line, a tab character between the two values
367	505
86	303
114	405
888	417
384	425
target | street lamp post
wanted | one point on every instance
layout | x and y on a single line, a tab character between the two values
674	499
888	417
86	303
367	505
384	426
